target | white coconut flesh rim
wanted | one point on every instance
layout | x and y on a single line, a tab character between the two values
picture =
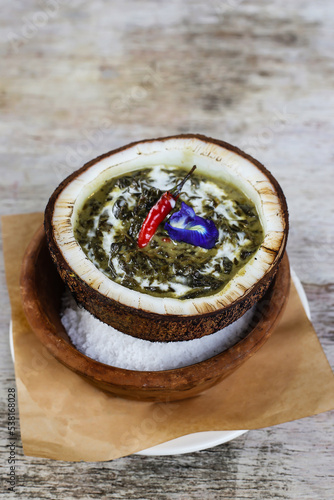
210	159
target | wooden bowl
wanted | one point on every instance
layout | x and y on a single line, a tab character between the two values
41	291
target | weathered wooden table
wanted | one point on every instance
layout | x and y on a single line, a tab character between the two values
80	78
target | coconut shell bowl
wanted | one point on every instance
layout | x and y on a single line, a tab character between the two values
42	289
159	318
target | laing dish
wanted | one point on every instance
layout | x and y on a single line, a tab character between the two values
164	317
109	223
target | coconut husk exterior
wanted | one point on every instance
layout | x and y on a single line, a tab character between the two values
146	324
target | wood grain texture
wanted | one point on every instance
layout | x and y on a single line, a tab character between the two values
86	77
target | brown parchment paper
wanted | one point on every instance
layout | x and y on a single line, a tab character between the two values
63	417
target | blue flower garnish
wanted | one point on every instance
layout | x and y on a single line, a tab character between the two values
186	226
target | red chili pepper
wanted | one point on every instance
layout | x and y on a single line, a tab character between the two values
159	211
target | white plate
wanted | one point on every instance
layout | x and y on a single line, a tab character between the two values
199	440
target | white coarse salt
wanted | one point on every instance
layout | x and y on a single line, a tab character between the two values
105	344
